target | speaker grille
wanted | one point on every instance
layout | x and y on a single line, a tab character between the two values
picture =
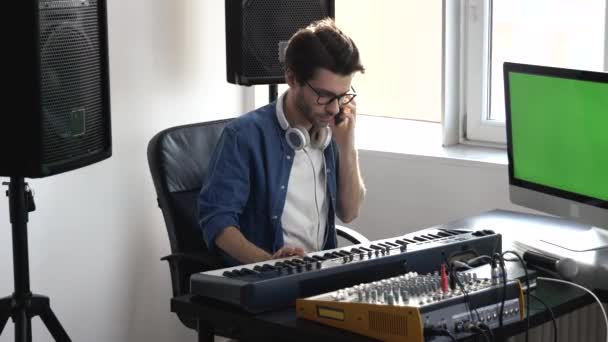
266	23
387	323
72	101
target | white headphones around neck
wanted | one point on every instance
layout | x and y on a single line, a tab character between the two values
298	138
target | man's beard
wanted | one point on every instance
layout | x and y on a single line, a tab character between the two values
308	114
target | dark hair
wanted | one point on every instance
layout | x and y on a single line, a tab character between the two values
321	45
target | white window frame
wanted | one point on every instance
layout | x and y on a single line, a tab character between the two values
476	126
466	47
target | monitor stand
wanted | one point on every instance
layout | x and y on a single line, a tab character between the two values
593	239
587	250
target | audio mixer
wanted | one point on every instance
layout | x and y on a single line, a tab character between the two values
409	306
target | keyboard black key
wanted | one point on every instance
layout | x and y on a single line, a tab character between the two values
246	271
308	259
268	267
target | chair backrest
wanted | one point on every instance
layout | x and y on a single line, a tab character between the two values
178	158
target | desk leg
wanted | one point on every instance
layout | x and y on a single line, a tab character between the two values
205	332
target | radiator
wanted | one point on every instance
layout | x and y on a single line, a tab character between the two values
583	325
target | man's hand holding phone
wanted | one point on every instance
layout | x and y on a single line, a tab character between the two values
343	127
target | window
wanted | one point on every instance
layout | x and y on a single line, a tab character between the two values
559	33
400	45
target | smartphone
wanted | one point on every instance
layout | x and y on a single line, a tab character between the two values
339	117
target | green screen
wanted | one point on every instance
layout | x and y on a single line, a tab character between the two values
559	133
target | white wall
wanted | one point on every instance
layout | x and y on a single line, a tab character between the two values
406	193
97	234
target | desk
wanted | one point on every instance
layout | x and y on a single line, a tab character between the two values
282	325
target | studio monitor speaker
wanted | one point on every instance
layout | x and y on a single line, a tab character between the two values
57	115
257	32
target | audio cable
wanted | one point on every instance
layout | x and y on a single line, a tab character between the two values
528	289
314	177
433	331
586	290
547	308
474	328
488	329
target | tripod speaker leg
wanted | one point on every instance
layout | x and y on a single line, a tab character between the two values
5	312
42	307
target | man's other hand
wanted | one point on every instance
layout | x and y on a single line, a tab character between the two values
287	251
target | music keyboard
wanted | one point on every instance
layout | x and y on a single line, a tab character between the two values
278	283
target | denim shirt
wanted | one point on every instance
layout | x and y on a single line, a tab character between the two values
246	185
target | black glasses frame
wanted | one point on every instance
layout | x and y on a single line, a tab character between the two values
343	99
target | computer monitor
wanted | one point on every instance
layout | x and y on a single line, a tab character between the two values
557	136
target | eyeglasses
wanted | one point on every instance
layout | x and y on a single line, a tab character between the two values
324	98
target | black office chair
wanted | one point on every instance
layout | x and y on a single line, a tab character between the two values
178	158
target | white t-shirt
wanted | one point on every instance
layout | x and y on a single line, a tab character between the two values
304	216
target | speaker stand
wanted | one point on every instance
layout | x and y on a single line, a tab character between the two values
23	305
273	92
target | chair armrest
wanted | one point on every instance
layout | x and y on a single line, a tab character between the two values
351	235
210	261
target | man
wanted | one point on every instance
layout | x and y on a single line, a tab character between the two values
281	173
